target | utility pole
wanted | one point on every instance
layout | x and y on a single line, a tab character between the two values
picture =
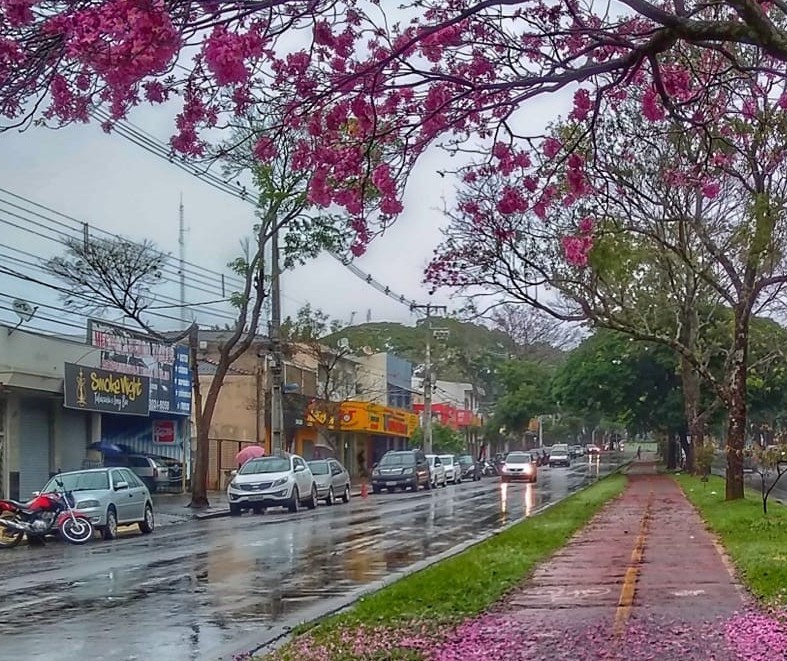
428	380
277	365
182	263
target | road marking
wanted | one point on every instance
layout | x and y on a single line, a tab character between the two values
629	587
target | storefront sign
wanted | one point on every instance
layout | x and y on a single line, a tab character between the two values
166	366
164	432
95	389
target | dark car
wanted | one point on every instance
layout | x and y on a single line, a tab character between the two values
467	464
401	469
559	456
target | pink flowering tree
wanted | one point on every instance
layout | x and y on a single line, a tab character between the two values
361	77
647	232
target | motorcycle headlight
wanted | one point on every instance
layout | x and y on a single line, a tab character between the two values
281	481
87	504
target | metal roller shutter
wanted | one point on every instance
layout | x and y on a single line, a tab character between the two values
34	446
72	440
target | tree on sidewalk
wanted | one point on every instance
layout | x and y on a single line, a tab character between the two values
444	440
770	464
282	209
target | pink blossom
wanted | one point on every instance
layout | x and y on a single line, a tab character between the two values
651	105
264	149
511	201
576	250
710	189
582	105
226	54
586	225
17	12
552	147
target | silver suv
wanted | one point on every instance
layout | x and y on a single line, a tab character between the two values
157	473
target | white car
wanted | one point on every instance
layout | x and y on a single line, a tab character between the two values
453	471
519	467
436	470
274	481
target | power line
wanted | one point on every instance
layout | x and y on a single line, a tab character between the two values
153	145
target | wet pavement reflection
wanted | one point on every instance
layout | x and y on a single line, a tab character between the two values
191	591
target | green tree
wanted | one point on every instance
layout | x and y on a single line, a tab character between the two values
444	440
524	394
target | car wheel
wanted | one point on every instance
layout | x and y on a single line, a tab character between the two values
295	501
149	522
331	499
445	482
346	494
235	509
312	502
376	489
110	530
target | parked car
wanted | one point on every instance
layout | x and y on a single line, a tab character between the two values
111	497
467	464
332	480
453	471
157	473
519	467
559	456
437	471
274	481
575	451
401	469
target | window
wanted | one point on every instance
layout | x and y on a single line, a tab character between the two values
336	469
129	477
117	478
139	462
297	461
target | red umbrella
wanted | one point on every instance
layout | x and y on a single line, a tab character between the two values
249	452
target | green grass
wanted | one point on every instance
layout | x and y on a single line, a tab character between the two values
756	544
443	591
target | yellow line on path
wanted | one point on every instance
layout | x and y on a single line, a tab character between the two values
629	587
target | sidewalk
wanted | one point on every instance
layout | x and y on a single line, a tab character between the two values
644	580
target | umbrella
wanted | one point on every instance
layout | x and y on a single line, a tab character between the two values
106	447
249	452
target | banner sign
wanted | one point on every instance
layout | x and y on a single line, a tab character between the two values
165	365
95	389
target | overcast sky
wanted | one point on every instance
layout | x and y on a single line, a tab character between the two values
117	186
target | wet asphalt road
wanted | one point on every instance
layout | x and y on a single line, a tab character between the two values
191	591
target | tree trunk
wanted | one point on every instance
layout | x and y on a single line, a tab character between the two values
199	482
692	392
736	408
672	462
688	449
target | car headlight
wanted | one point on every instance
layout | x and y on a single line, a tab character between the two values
529	468
505	469
280	481
407	471
375	472
87	504
234	485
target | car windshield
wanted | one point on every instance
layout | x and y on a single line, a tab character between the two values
447	459
518	458
398	459
319	467
559	448
265	465
465	459
80	481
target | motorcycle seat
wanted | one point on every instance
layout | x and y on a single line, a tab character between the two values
16	503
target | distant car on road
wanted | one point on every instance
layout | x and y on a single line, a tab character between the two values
592	449
332	480
519	467
453	469
468	466
111	497
274	481
437	471
559	456
401	469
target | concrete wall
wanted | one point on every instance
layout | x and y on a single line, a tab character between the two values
237	408
31	360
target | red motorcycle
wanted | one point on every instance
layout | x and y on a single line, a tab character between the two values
46	513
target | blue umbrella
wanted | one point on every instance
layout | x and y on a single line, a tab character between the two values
105	447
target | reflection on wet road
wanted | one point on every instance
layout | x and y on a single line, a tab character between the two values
190	591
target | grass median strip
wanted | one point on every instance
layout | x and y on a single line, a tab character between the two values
757	544
453	590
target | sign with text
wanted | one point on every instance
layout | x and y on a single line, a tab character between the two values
131	352
164	432
96	389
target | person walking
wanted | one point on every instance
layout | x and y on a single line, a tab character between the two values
639	452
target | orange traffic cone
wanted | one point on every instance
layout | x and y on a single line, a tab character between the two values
364	490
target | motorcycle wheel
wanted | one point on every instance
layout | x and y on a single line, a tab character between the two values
8	537
76	531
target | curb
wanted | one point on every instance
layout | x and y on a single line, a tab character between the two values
220	514
278	634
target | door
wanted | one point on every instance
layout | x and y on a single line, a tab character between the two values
302	478
138	495
34	446
337	478
122	497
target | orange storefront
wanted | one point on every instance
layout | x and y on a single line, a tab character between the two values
369	430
